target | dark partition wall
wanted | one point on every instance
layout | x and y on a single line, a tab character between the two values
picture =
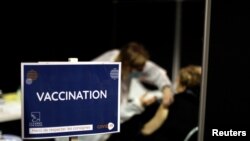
55	33
228	96
192	32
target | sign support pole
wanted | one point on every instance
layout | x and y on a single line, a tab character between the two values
73	60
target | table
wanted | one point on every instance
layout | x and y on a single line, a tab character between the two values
11	108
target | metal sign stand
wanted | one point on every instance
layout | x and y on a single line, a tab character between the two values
73	60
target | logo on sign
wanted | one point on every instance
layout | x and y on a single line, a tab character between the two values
35	119
114	73
109	126
31	76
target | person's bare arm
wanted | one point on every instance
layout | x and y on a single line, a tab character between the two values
156	122
168	96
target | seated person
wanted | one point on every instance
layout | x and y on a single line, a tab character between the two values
173	123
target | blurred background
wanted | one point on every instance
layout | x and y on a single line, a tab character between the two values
171	30
56	32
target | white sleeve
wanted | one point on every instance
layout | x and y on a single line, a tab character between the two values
133	105
132	108
156	75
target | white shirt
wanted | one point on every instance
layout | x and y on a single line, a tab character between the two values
151	73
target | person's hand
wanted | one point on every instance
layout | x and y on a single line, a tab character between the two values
168	97
147	99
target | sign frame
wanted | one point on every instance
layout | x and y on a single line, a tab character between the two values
58	133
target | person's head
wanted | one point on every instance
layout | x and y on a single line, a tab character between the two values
133	57
189	78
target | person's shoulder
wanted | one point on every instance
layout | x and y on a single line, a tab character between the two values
152	66
108	55
114	51
186	98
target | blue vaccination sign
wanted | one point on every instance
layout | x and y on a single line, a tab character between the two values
70	99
